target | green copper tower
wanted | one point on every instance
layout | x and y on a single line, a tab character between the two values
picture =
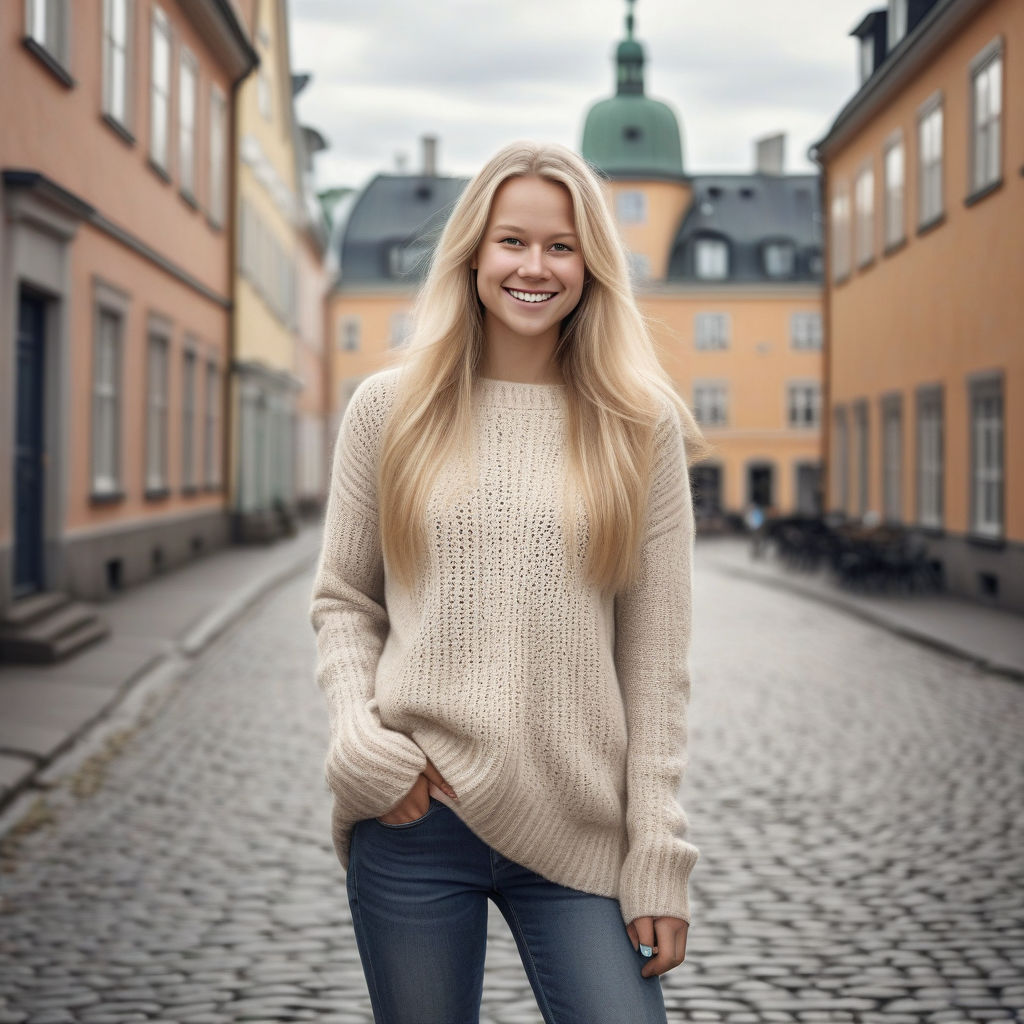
631	135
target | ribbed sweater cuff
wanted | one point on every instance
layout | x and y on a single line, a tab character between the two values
369	767
655	880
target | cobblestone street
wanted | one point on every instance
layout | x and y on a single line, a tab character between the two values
858	801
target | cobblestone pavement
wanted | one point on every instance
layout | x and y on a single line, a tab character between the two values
857	801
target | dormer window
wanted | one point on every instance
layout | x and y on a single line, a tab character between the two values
779	259
897	21
406	260
711	259
867	57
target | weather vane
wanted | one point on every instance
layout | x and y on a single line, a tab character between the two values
629	19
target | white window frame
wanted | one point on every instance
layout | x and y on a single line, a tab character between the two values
48	25
892	458
839	476
211	425
711	331
864	202
806	330
930	149
894	169
631	206
779	259
110	317
160	92
189	408
986	107
711	259
350	333
896	22
188	77
217	209
158	354
118	62
711	403
930	470
840	225
987	427
866	57
803	404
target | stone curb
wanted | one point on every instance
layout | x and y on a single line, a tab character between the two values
907	632
141	694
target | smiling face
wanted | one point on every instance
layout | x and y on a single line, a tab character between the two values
529	267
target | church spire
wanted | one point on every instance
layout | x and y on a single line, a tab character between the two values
629	59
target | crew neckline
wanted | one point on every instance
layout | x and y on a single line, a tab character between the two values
514	394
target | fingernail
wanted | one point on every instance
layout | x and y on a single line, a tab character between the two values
646	950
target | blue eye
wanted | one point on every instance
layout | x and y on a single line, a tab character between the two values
513	240
564	247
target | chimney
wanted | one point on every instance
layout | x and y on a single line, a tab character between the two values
429	156
400	161
770	154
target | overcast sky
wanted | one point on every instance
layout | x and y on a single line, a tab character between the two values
480	73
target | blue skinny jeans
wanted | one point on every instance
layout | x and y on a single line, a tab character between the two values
418	895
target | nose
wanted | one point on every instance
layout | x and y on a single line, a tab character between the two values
532	264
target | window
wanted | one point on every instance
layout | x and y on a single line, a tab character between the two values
711	330
116	57
840	231
639	267
401	327
894	231
860	427
779	259
408	259
865	199
712	259
188	420
106	427
892	458
839	475
218	168
631	207
929	145
48	25
709	403
867	56
211	429
803	404
348	336
986	107
263	91
188	78
986	402
897	21
159	88
156	411
929	458
805	330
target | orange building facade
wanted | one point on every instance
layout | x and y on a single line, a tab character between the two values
115	270
924	177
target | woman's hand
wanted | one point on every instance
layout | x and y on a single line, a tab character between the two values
666	936
417	801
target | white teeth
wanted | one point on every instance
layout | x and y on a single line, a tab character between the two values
531	296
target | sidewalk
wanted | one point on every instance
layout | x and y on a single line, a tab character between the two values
988	637
48	711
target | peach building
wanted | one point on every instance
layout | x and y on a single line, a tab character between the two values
115	269
925	370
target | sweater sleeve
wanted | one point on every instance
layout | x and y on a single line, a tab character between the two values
369	767
652	649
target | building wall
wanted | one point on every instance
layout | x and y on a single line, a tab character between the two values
756	367
666	202
943	306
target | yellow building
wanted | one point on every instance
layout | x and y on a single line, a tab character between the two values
922	173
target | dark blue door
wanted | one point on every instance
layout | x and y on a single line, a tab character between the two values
28	449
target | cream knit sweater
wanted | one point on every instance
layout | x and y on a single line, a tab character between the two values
558	717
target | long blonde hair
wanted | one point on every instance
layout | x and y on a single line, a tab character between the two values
616	387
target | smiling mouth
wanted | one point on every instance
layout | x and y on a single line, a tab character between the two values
531	298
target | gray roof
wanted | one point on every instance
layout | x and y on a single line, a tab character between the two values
748	210
393	226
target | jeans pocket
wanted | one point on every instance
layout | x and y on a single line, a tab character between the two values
434	804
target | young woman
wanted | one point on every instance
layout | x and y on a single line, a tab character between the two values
502	608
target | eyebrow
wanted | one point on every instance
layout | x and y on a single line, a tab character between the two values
520	231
